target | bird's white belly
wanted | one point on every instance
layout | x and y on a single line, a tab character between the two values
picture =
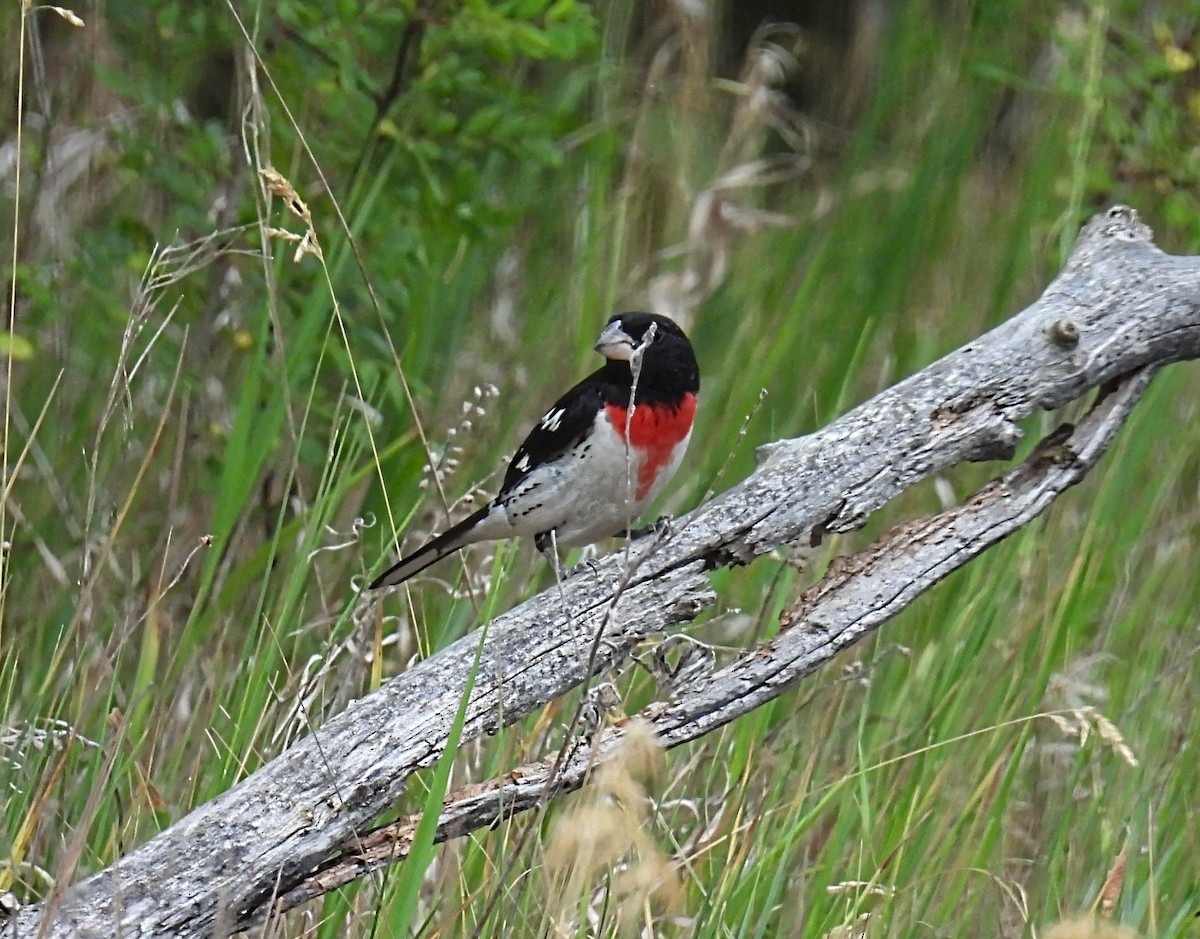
586	496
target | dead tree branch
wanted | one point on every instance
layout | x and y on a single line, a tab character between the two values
1119	310
857	597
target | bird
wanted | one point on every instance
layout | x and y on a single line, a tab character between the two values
597	457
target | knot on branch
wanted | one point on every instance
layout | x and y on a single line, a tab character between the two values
1120	224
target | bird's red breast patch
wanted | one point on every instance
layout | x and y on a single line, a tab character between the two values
655	431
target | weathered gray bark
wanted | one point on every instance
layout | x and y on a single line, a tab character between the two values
1119	310
855	598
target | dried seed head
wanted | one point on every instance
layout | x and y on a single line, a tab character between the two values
1089	927
68	15
607	833
278	185
1112	885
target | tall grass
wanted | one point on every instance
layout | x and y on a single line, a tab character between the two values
228	449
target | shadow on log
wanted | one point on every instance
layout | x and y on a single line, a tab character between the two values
293	830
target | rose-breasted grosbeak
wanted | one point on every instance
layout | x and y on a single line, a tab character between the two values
598	457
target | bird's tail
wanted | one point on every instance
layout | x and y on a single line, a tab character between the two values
433	551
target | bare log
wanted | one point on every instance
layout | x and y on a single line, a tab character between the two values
1120	309
855	598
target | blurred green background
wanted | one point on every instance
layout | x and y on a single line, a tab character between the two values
211	438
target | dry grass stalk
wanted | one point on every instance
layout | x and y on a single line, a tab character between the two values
716	217
602	854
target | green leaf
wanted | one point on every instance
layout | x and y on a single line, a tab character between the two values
420	854
16	347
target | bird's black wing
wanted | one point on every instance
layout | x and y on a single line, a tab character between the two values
564	425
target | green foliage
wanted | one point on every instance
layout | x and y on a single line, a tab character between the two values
216	438
1151	112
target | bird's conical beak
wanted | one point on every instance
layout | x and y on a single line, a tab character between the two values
614	343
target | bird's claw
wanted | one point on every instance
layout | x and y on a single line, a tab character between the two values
588	564
660	526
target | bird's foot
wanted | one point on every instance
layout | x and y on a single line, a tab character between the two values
660	526
587	562
546	544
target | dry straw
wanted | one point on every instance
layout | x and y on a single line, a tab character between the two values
602	854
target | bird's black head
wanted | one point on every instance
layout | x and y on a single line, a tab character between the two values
669	369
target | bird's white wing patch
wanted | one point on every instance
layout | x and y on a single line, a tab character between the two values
553	419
